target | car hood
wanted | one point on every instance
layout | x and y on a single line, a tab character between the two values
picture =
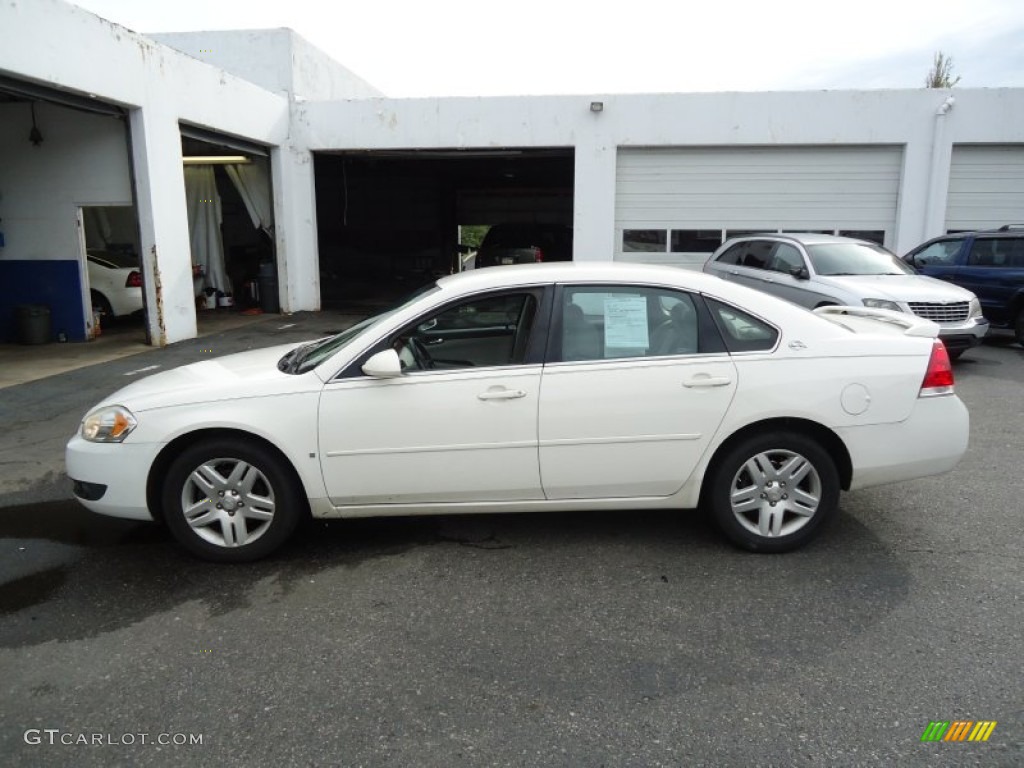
898	287
245	374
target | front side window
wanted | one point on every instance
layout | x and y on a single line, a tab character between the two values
484	331
940	254
787	259
607	323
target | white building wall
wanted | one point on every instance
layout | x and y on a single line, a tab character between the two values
907	118
64	46
83	160
296	101
276	59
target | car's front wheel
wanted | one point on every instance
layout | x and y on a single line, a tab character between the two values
772	492
231	501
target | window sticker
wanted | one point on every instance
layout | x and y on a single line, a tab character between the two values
625	323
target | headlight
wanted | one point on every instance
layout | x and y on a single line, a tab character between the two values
975	308
111	424
882	304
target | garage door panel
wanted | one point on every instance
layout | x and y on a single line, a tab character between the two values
986	186
832	188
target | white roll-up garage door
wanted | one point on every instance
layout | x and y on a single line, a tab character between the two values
673	204
986	187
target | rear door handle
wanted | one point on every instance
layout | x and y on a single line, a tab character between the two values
705	381
501	394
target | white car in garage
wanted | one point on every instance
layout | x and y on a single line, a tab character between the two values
535	388
115	283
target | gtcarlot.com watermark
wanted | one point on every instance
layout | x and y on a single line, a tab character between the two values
58	737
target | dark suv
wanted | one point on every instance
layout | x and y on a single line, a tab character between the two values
989	263
525	243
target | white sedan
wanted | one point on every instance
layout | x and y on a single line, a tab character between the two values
531	388
115	283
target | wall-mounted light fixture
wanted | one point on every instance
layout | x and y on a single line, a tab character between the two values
216	160
35	136
597	106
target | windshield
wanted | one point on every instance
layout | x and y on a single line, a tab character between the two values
309	356
855	259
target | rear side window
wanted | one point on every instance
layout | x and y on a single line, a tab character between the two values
755	254
741	331
615	322
733	255
1001	252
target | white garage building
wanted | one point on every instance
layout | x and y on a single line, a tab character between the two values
365	187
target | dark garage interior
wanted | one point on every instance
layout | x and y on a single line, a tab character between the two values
388	221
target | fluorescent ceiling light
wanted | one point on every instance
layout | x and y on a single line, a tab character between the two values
216	160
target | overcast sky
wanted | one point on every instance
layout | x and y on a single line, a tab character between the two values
409	48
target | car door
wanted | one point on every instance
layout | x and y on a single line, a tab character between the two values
940	259
754	267
461	430
787	262
634	389
994	272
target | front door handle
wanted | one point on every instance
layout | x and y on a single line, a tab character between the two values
501	394
702	381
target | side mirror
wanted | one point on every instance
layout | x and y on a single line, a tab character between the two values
800	273
383	365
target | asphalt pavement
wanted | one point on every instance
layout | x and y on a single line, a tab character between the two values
614	639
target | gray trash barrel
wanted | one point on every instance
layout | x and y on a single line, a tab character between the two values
268	288
32	323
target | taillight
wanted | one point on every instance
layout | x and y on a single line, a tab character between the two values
938	379
134	280
538	255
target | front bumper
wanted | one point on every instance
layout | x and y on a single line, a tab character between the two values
964	335
110	478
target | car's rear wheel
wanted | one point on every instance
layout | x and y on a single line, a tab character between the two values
231	501
773	492
1018	328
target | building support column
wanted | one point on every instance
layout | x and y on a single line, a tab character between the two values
163	224
594	196
298	263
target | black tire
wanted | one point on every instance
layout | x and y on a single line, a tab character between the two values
954	354
769	500
101	305
249	491
1018	328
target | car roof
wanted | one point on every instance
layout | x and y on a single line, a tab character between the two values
804	238
575	271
